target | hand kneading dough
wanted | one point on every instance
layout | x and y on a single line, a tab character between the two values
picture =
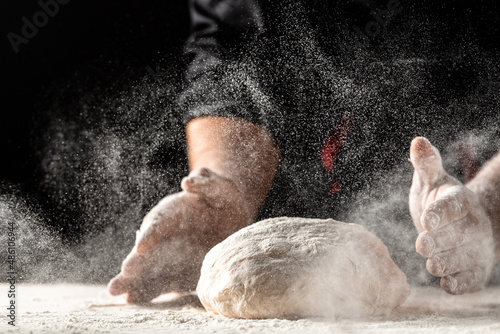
298	267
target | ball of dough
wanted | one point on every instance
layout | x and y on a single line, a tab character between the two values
297	267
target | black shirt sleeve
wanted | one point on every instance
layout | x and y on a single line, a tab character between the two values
219	82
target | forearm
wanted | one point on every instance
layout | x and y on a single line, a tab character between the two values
486	185
238	150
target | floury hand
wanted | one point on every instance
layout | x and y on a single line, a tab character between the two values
455	231
176	234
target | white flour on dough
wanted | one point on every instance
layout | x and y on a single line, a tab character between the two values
298	267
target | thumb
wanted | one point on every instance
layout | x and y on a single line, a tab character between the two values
427	161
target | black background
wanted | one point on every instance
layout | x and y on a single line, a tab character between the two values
128	33
81	32
115	31
121	33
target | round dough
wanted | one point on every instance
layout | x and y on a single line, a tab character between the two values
297	267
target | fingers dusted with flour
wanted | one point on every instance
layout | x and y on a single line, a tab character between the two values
198	215
427	178
233	163
161	220
205	197
454	204
426	161
455	231
216	189
486	185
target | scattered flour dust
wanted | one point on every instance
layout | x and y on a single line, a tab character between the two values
76	308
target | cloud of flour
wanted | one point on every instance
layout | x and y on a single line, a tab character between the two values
110	144
110	138
40	254
413	81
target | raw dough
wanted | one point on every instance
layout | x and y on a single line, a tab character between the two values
297	267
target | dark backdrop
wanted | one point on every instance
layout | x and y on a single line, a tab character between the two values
81	32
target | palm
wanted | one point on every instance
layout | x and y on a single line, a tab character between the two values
177	233
455	232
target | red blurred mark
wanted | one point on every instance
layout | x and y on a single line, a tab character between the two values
468	160
334	143
335	188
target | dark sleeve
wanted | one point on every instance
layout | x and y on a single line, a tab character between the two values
219	82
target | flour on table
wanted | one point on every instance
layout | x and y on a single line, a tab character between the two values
297	267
